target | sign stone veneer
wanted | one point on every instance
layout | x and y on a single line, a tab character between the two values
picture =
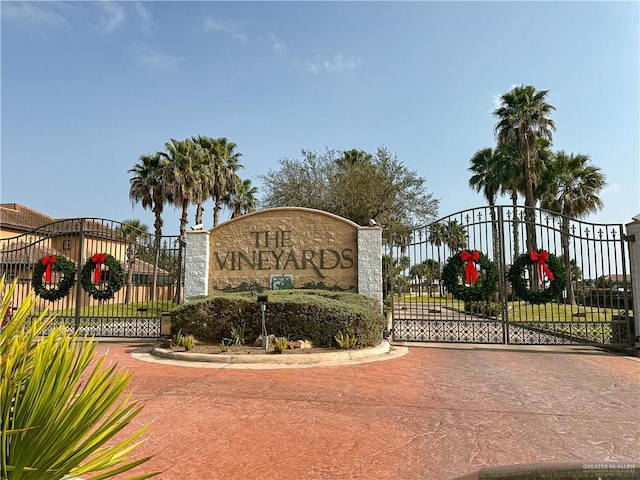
299	246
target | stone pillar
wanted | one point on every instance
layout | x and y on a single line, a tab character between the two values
633	241
370	263
196	264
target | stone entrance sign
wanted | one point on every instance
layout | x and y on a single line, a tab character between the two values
285	247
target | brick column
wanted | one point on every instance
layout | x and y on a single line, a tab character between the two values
196	264
633	235
370	263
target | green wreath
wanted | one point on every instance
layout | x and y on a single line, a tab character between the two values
550	265
477	290
116	276
56	263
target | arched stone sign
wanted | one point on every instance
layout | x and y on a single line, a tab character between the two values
286	247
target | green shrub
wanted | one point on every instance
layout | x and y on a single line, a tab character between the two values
483	309
346	341
186	341
315	315
280	345
237	334
60	411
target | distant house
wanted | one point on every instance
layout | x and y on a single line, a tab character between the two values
27	235
16	219
616	281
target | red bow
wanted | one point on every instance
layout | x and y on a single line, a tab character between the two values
470	273
541	258
98	259
47	261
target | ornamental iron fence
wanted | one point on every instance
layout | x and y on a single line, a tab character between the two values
100	277
429	282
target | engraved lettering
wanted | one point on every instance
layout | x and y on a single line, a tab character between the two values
292	258
324	260
307	258
348	259
221	264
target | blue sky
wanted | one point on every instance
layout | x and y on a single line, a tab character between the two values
87	87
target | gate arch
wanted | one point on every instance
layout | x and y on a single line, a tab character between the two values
152	283
594	307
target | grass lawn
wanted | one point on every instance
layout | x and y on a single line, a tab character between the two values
140	309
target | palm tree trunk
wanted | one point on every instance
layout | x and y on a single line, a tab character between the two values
530	204
156	244
199	210
131	261
496	242
184	219
564	241
516	224
216	210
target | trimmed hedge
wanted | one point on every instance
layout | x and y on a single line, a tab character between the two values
316	315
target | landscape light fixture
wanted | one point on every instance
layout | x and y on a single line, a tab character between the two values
262	300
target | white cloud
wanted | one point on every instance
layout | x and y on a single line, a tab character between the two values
156	60
211	25
277	45
144	15
33	15
335	64
112	17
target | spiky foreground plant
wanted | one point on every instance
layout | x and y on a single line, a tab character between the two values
55	421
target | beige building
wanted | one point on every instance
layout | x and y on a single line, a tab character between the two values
27	235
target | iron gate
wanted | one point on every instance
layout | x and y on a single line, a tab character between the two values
151	275
594	307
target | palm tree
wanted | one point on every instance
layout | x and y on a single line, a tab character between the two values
183	173
202	174
242	199
437	236
223	163
147	186
393	280
572	187
510	168
456	236
486	178
133	231
427	270
523	118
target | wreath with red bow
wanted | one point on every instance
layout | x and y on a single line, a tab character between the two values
461	277
549	270
101	284
43	268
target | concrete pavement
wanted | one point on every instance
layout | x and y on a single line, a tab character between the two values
438	412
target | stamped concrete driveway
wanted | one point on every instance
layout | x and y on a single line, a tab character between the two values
436	413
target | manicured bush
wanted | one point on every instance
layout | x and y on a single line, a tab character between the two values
315	315
483	309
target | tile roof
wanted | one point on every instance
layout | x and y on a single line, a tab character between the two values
616	278
21	253
14	216
19	217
